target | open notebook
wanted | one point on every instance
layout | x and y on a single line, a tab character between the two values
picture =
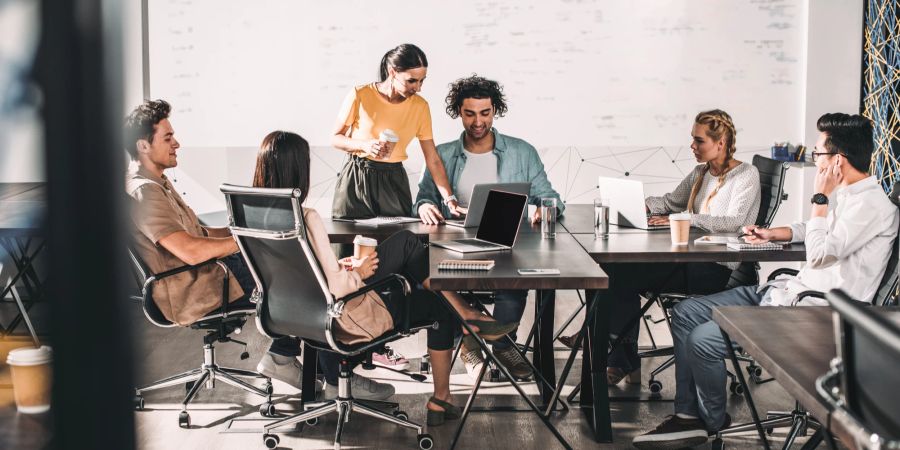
742	246
466	264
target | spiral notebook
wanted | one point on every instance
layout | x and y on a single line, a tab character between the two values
744	247
466	264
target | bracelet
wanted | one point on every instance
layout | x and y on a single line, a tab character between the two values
451	198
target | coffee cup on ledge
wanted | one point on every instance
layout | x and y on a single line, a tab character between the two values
390	139
680	226
363	247
32	376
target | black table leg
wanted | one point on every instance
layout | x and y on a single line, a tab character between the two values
594	399
747	396
543	357
308	379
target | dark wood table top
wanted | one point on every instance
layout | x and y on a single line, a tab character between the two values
21	191
579	219
794	344
577	269
657	247
22	218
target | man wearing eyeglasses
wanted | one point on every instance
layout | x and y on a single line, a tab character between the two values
848	238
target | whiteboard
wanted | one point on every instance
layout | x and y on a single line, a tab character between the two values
577	73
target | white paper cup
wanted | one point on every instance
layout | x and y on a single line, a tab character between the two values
32	378
390	138
680	228
363	246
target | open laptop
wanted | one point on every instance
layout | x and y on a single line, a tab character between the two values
626	203
499	225
478	199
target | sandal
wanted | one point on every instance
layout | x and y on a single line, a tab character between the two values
491	330
450	412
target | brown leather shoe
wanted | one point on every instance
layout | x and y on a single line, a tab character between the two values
569	341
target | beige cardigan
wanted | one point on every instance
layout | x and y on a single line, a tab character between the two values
364	317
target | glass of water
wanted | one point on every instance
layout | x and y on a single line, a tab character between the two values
601	219
548	218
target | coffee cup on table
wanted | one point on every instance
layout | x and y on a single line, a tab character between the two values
680	227
32	377
363	247
390	139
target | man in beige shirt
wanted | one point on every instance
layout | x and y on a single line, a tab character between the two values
167	234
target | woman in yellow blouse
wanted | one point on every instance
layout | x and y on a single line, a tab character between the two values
373	181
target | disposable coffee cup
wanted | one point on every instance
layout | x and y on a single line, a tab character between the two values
680	227
363	247
390	139
32	376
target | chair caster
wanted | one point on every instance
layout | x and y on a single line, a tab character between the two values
717	444
138	403
494	376
184	420
401	415
271	440
267	409
425	441
736	388
312	422
655	386
267	388
754	371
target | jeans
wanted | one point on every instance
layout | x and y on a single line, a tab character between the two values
509	306
700	350
627	281
284	346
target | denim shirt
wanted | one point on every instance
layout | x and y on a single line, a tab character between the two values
517	162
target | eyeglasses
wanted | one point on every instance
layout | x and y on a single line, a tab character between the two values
815	155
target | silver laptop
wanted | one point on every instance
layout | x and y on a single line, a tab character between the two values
499	225
479	197
626	203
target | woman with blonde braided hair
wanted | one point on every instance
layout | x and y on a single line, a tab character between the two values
722	195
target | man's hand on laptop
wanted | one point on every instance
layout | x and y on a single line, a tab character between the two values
430	214
455	209
658	220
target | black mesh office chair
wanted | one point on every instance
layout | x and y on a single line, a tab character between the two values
859	387
292	297
771	185
219	325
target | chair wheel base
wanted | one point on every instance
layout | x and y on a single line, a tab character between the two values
268	410
401	415
138	403
655	386
271	440
425	441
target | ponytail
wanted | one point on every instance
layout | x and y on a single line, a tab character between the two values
402	58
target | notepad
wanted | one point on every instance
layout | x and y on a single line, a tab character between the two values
466	264
383	220
742	247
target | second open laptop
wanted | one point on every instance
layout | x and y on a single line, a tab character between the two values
478	199
626	203
499	225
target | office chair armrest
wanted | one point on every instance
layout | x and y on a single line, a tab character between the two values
386	281
806	294
177	270
784	271
670	299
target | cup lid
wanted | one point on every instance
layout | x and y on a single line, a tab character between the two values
680	216
388	135
362	240
30	356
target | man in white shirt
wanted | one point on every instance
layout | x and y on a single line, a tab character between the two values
848	238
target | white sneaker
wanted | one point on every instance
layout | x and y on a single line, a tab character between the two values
362	388
473	360
281	368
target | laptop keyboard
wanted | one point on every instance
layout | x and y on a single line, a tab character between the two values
476	243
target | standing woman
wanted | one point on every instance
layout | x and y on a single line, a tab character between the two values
373	181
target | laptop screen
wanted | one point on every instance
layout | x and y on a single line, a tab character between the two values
501	218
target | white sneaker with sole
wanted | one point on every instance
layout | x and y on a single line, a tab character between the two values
362	388
282	368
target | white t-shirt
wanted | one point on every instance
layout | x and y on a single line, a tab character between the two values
479	169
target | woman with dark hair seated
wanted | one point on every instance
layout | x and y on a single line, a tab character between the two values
283	162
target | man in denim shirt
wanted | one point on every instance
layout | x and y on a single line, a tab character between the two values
483	155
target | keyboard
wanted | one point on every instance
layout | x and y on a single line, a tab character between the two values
476	243
382	220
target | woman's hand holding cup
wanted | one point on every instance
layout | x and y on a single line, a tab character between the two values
367	266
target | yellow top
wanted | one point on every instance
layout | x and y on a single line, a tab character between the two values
367	113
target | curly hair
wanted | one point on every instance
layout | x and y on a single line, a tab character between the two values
141	123
475	87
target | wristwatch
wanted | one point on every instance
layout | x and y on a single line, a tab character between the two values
451	198
819	199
